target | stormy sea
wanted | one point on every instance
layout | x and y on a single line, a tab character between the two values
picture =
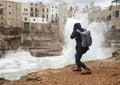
20	63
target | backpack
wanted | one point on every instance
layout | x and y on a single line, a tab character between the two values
86	38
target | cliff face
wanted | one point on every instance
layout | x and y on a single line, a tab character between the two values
39	43
113	38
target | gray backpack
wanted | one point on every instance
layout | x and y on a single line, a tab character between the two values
86	38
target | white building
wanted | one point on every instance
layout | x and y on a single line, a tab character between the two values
52	11
29	20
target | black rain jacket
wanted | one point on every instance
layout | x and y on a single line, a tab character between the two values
76	35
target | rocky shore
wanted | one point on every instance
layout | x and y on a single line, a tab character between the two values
104	72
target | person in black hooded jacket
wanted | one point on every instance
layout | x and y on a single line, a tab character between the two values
79	49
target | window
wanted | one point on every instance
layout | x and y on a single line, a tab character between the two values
47	16
31	9
113	13
118	3
1	11
40	2
1	23
52	21
1	17
109	17
25	9
36	9
65	20
56	15
47	10
9	13
36	15
26	25
25	19
25	14
70	8
31	14
43	16
52	15
56	21
116	14
113	27
110	8
113	3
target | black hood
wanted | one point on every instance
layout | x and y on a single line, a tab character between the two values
77	26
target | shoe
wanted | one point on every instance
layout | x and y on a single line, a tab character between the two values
78	69
87	71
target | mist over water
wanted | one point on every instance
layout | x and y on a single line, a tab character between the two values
20	63
98	30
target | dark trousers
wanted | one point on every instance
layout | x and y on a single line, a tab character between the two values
78	57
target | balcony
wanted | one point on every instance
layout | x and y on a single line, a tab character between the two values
116	3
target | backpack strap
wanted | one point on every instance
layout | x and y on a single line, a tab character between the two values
82	30
79	31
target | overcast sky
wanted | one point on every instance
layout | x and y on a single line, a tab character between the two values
103	3
77	1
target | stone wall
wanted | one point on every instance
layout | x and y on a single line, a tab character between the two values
39	43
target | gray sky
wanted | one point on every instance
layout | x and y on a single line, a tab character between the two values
77	1
102	3
81	1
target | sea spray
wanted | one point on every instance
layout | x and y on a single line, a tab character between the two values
98	50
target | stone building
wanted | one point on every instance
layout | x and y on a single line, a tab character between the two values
93	12
10	13
38	27
111	16
2	9
24	15
52	12
114	20
57	14
114	17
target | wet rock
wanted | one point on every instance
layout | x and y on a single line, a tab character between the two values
34	79
115	74
2	80
117	52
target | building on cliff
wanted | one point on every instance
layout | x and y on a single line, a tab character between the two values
36	26
111	16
